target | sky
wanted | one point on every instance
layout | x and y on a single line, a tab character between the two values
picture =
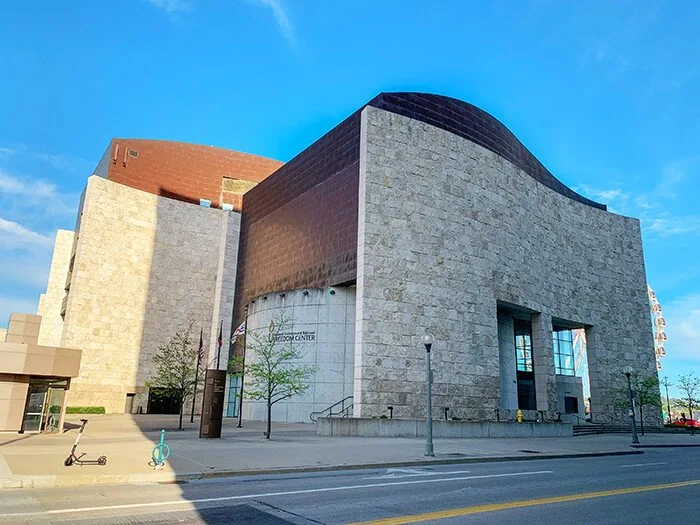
605	94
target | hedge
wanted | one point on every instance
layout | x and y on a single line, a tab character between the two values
85	410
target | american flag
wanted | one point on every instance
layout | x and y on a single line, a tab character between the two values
200	354
239	331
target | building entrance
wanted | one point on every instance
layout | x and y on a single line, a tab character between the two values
42	411
160	401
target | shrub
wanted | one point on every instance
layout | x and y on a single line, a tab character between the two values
85	410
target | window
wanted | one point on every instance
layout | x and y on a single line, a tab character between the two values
523	346
524	370
563	351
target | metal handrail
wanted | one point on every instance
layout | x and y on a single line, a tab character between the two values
343	409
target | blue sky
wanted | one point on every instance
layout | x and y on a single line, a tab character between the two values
604	94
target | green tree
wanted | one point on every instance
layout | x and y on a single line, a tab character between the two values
272	371
176	368
646	393
689	385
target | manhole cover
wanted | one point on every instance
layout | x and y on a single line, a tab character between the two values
530	451
455	454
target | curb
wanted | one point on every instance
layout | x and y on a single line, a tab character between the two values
680	445
35	482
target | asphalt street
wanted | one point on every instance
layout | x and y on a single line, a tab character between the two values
659	486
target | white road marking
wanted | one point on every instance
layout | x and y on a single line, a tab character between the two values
268	494
396	473
644	464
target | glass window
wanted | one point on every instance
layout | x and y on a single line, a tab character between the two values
562	340
523	346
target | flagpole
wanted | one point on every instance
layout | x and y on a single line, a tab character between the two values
196	375
219	342
240	399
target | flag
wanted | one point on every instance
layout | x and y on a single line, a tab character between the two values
239	331
200	353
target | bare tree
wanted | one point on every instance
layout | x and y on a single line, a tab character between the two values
273	372
176	366
689	385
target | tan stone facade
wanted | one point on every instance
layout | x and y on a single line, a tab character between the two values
144	268
24	366
51	329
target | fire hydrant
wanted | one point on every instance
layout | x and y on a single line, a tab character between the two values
520	416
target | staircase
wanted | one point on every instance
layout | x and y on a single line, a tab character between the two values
342	408
601	428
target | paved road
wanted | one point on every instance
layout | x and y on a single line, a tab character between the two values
660	486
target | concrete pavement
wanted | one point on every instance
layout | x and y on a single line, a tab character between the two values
30	461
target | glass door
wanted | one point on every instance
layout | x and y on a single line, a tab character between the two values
53	407
34	410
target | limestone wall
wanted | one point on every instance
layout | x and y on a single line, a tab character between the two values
51	330
447	229
145	267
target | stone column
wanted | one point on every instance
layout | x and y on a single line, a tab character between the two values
594	378
543	364
507	365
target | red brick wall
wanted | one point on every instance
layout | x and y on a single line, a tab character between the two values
183	171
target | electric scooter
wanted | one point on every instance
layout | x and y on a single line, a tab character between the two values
72	458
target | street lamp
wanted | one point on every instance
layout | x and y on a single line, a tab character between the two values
428	342
668	401
628	371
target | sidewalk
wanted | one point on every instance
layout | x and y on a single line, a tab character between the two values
127	441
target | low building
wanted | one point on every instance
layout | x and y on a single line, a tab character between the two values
34	379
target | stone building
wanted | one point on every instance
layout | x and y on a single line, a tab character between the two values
418	213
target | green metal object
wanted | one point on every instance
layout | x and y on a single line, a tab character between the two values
161	451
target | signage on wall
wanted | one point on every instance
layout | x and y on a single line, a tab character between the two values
297	337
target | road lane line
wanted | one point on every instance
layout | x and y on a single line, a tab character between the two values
479	509
269	494
644	464
396	474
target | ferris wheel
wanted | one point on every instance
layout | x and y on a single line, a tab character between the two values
659	325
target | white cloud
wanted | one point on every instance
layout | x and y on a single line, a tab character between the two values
172	6
281	17
6	152
38	197
13	234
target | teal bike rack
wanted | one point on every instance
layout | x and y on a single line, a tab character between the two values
161	451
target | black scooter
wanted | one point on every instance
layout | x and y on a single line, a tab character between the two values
72	458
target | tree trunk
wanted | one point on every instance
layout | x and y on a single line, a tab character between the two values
692	423
182	407
269	418
641	418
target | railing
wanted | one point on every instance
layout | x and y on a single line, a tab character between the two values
341	408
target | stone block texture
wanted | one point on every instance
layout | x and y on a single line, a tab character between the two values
145	267
51	329
447	229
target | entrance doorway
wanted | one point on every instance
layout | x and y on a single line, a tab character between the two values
160	401
42	412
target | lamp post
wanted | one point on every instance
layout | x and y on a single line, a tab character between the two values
628	371
668	401
428	342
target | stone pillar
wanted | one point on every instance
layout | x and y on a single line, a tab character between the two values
507	365
543	364
595	380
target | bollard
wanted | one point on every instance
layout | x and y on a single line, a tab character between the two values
160	452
